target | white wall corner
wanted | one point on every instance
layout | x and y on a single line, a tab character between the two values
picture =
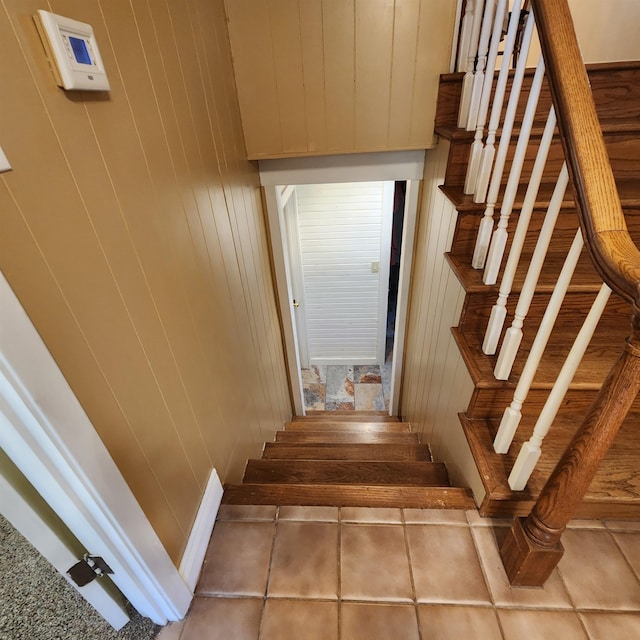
196	548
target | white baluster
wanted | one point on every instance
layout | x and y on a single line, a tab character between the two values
499	239
531	450
499	310
510	115
464	43
486	224
512	414
485	96
472	50
489	151
513	335
479	77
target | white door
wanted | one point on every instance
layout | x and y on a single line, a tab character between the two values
344	238
46	434
24	508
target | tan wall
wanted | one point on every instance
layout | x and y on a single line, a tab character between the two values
132	231
436	385
338	76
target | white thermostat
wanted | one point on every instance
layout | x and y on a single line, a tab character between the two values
73	52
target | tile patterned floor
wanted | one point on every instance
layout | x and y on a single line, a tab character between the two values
404	574
347	387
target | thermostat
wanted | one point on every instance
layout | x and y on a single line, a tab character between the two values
73	52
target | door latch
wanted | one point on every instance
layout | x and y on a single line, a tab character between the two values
88	569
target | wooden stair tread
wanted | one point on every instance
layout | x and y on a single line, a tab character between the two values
628	190
596	364
346	472
617	482
585	279
359	427
405	497
347	416
347	437
326	451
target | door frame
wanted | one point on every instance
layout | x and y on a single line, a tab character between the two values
276	175
48	436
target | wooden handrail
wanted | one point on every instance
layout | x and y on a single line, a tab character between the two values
613	252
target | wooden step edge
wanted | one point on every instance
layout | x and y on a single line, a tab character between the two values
360	427
320	451
358	416
483	378
400	496
347	472
347	437
471	279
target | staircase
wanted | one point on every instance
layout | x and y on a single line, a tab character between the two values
347	460
615	491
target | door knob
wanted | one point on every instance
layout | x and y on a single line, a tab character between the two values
296	304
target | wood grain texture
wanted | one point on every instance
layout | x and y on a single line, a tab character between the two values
338	76
362	472
360	427
327	451
140	255
405	497
346	437
615	255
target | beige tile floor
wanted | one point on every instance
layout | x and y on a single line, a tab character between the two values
324	573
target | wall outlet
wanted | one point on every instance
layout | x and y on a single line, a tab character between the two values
4	163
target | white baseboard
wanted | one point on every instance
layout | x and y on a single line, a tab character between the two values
198	542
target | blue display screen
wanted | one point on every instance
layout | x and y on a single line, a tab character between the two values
80	51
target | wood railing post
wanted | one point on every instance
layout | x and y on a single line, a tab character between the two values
532	548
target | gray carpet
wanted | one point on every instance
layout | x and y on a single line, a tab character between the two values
37	603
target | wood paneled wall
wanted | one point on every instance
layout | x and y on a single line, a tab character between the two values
436	385
338	76
132	231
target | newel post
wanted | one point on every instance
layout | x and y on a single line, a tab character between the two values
532	548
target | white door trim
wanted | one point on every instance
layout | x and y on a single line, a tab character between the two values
39	533
395	165
48	436
281	266
404	281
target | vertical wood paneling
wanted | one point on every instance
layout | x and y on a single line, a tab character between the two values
133	235
338	76
436	384
284	23
429	64
257	92
341	229
312	44
403	70
338	30
373	48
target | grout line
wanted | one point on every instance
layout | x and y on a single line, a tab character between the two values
411	578
266	588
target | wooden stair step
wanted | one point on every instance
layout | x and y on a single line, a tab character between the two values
347	437
343	415
399	496
359	427
585	278
594	367
408	452
424	474
614	492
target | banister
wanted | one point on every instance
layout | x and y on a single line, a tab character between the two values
613	252
532	547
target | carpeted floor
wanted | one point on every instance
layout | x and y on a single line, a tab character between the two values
37	603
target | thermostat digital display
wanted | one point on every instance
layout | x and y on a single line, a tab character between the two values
73	52
80	51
